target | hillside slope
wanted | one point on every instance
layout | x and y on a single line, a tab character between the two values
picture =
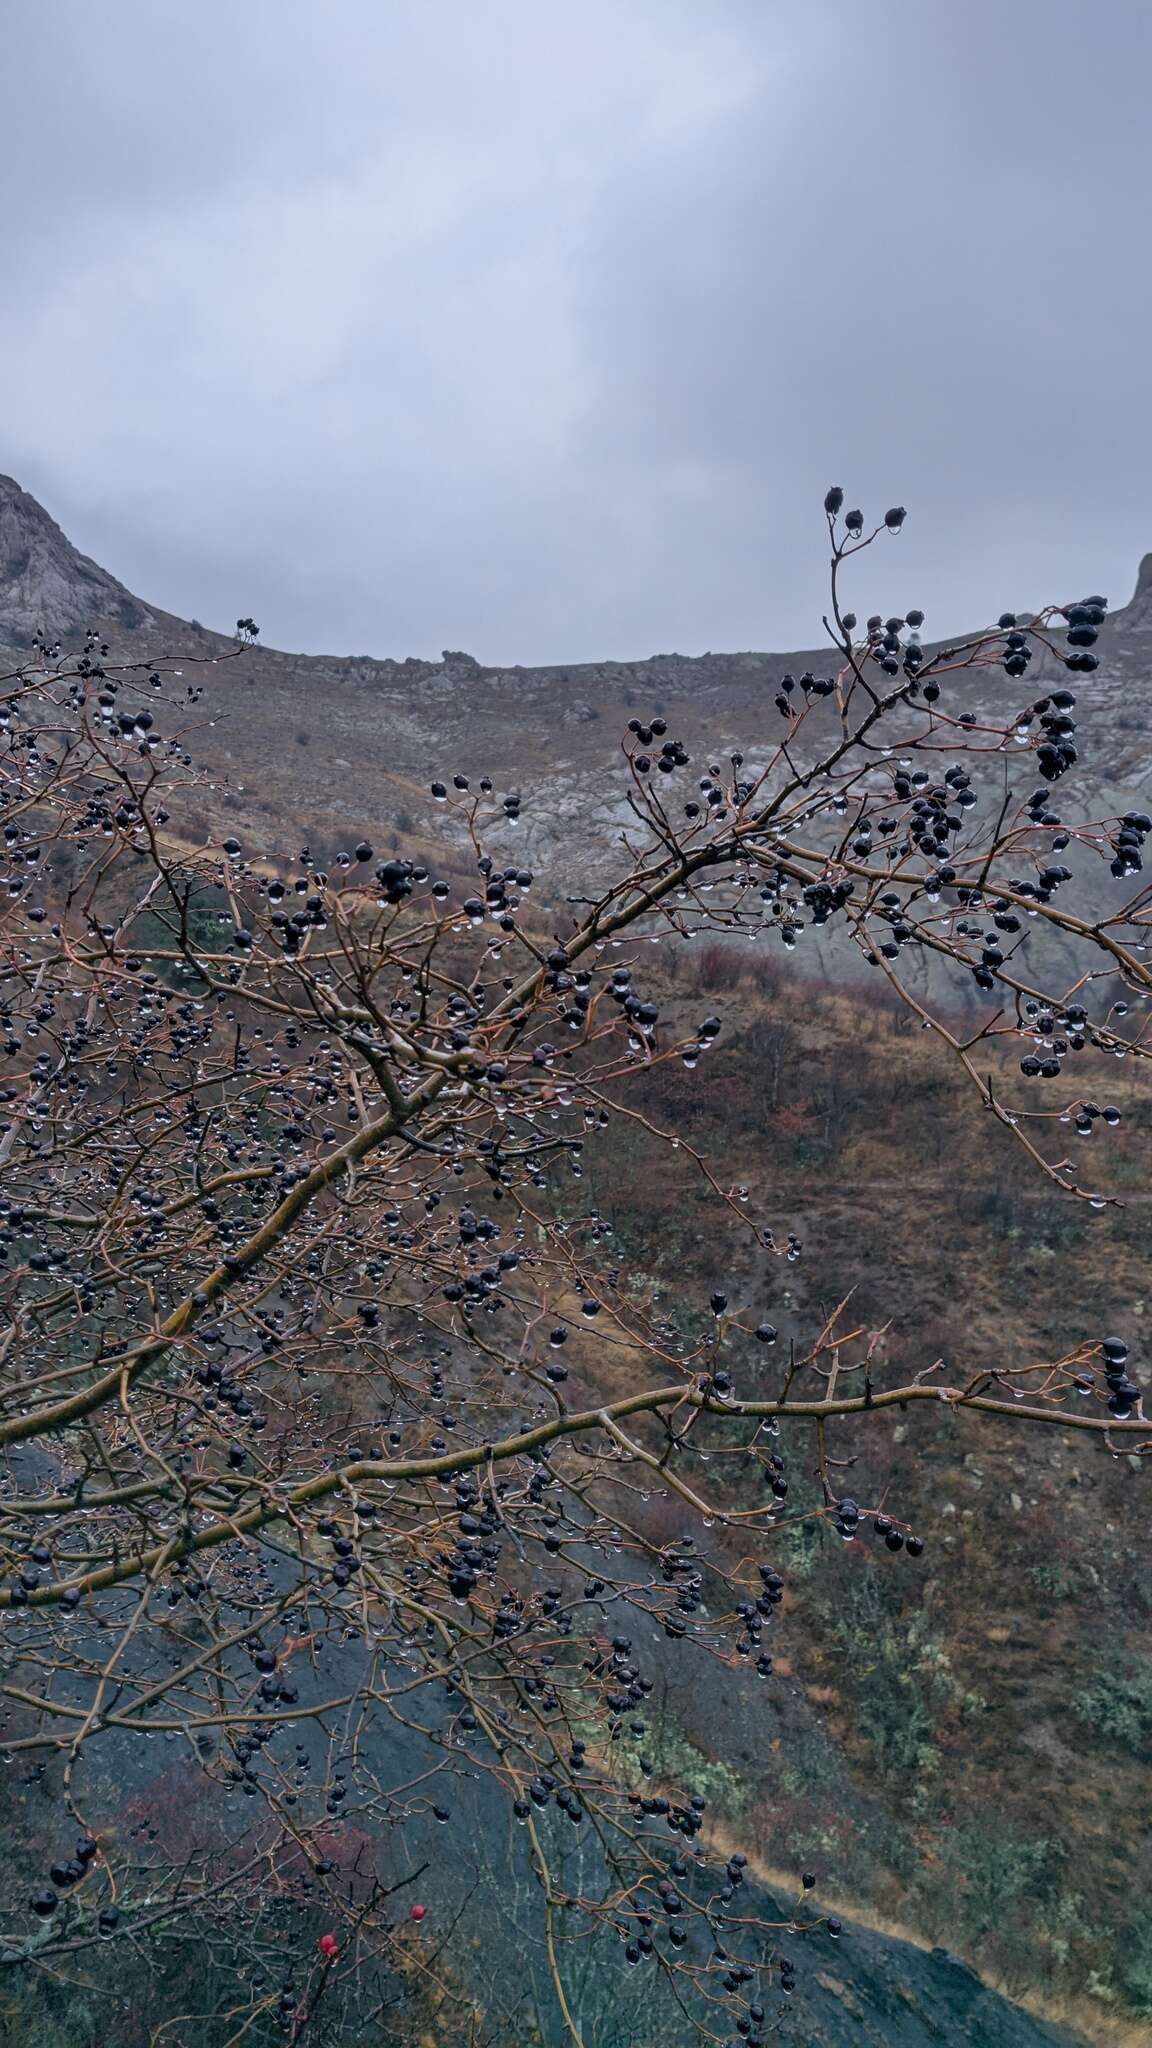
334	746
1009	1682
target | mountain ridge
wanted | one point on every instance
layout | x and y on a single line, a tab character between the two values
338	745
36	556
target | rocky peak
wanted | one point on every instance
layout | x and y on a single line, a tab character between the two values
1138	614
48	589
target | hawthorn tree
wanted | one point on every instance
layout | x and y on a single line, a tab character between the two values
328	1407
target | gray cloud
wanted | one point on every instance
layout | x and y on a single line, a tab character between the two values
541	330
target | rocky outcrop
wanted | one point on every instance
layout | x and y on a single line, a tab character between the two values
48	589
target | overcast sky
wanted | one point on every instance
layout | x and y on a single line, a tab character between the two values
540	328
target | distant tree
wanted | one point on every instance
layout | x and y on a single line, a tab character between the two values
307	1467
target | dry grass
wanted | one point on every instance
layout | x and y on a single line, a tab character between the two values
1086	2016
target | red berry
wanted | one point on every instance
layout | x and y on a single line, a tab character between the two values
417	1912
328	1946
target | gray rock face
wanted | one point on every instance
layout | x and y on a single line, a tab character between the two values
47	587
